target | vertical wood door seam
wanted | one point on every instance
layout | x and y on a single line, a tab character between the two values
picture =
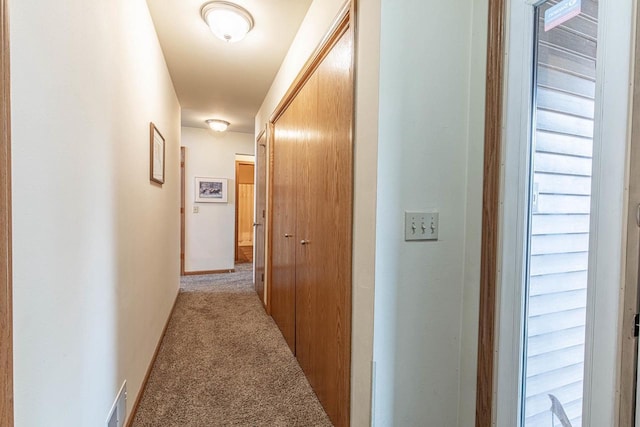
6	317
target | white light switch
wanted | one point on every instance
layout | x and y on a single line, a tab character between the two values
421	225
196	209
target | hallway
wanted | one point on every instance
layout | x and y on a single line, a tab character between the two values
224	362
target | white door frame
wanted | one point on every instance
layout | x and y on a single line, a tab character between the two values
608	211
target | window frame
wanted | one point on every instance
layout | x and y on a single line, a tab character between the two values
499	365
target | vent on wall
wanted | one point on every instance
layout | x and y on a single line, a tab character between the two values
118	411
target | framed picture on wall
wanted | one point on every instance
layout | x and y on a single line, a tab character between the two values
157	156
211	190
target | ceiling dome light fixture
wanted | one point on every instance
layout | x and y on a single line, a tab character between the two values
228	21
217	125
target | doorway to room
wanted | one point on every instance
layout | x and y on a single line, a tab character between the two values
245	190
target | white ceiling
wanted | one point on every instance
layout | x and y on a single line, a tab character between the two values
216	80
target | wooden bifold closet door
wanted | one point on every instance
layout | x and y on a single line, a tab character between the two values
312	226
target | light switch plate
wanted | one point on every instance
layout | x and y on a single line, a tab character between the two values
196	209
421	225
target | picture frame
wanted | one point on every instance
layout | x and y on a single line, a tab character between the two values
157	156
210	190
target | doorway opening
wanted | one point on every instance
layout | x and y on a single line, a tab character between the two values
245	190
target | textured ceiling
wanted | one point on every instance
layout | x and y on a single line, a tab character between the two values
214	79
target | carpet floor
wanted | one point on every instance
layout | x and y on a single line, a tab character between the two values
223	362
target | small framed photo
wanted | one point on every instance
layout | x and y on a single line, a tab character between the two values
157	156
211	190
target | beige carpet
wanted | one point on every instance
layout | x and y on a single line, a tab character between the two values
223	362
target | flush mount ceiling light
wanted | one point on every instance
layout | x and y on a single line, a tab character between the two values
228	21
217	125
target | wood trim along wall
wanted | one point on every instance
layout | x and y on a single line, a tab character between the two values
337	29
490	212
134	407
628	341
183	207
260	166
6	294
197	273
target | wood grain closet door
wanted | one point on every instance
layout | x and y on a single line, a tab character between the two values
283	233
324	212
306	102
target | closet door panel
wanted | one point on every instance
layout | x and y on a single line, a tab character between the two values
306	242
283	262
325	219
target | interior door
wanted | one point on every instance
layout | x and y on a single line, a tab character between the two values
323	274
283	225
259	215
312	196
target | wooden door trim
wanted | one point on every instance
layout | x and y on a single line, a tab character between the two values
236	249
261	134
6	295
490	212
236	208
268	221
339	26
260	215
183	207
628	340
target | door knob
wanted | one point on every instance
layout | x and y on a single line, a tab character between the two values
288	235
304	242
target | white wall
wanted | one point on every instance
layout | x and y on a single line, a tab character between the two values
473	221
96	245
313	28
429	156
364	207
209	237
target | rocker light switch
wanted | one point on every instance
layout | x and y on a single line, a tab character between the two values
421	225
